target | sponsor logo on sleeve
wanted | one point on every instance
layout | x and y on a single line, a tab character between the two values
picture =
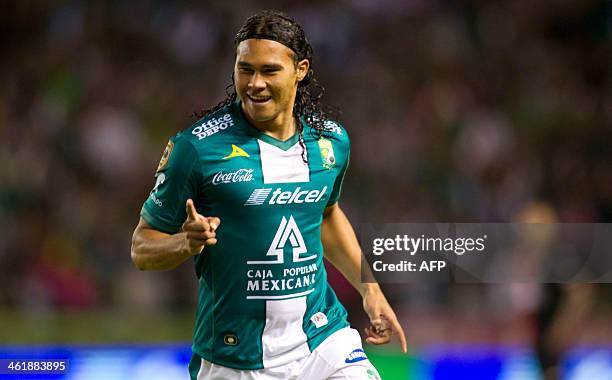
163	162
161	178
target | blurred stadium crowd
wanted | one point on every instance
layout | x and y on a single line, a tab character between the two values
457	111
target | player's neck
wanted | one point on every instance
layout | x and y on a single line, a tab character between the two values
282	128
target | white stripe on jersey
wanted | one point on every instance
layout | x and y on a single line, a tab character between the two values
283	339
283	166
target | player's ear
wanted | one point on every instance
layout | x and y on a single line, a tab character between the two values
302	68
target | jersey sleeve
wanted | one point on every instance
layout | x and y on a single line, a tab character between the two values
176	180
335	195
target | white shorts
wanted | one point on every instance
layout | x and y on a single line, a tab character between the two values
339	357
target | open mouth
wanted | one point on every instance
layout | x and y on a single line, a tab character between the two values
259	99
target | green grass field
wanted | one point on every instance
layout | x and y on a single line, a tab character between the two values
106	326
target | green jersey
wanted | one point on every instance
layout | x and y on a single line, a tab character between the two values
264	299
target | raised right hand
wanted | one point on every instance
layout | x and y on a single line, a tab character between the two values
200	230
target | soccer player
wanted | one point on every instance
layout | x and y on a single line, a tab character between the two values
250	191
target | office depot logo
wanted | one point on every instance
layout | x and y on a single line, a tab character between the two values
212	126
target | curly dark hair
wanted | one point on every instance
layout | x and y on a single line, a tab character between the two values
277	26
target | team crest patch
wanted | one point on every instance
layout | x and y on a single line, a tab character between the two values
327	153
355	356
319	319
165	156
236	152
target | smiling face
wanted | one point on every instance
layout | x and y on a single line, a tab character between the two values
266	77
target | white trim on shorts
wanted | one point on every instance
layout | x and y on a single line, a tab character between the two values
339	357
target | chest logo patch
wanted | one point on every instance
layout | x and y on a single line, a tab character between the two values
236	152
327	153
279	197
240	175
288	233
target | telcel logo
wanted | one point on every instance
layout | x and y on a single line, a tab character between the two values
280	197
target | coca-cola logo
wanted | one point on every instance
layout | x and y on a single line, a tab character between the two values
240	175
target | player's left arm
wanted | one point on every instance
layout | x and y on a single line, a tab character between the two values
342	250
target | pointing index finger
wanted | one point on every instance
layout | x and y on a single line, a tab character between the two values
400	332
